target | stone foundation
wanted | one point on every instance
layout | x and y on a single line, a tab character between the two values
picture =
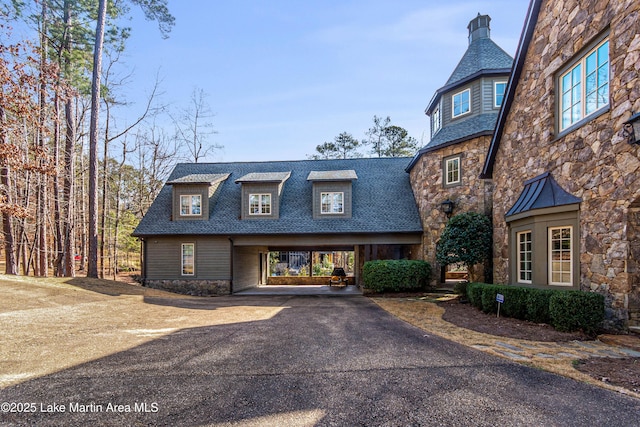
204	288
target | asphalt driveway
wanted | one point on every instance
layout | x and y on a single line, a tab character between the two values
294	361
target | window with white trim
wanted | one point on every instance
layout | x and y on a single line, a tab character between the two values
584	86
259	204
525	263
461	103
188	259
436	120
332	203
452	171
560	256
190	204
499	89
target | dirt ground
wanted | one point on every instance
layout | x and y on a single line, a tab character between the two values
621	372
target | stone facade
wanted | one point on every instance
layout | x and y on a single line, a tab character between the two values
592	161
472	195
203	288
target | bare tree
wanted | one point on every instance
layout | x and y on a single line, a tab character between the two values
194	129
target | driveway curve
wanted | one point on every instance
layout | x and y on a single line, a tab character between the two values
306	361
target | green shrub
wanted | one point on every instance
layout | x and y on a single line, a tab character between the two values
489	303
575	310
474	293
461	289
538	305
515	301
396	275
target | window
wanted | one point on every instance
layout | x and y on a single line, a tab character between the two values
524	257
452	171
188	259
436	120
499	88
584	87
331	203
461	103
259	204
190	205
560	257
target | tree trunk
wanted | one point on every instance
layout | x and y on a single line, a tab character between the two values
92	269
11	266
41	247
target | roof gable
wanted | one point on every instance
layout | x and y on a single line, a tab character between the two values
541	192
521	53
383	200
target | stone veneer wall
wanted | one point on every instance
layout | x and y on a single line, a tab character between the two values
192	287
593	162
474	194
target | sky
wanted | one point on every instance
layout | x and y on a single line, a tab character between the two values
283	76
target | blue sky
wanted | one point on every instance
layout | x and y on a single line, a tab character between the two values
284	76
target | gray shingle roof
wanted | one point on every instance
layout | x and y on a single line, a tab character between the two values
200	178
458	130
482	54
383	201
346	175
264	177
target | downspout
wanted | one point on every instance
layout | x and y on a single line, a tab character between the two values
143	261
231	265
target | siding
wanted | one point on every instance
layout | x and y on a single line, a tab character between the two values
246	267
327	186
261	188
191	189
212	257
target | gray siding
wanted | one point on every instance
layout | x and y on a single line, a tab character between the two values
475	93
261	188
488	88
212	257
320	187
191	189
246	267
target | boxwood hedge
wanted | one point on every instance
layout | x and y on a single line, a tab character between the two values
396	275
564	310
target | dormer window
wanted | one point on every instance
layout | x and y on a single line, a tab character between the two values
192	195
461	103
190	204
260	204
436	120
332	203
332	193
499	89
261	193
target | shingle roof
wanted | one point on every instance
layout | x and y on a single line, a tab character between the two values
541	192
482	54
383	201
200	178
344	175
458	131
265	177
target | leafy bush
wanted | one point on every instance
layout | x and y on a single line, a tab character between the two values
574	310
466	239
489	303
474	293
396	275
538	305
460	288
515	301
